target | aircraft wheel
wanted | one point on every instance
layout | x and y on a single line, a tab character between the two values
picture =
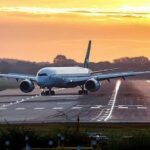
80	92
52	92
43	93
85	92
47	93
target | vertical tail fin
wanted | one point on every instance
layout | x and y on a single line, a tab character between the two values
86	61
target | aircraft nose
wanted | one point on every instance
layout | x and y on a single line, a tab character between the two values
41	81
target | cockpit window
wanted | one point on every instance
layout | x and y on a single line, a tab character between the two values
42	74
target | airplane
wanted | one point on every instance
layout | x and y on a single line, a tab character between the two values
10	83
68	77
6	83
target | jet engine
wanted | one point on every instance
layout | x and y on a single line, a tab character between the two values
92	85
27	86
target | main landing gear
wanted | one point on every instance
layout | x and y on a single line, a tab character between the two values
83	91
47	92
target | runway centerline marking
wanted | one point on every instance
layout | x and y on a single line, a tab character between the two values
39	108
141	107
20	108
96	107
129	106
123	107
76	107
57	108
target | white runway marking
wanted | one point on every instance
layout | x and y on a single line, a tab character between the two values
39	108
57	108
18	101
20	108
1	108
113	98
123	107
84	105
23	100
98	116
76	107
141	107
148	81
96	107
106	111
129	106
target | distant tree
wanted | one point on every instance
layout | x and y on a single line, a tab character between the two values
25	67
134	60
62	60
59	59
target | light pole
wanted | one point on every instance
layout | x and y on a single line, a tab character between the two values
27	143
50	143
62	139
58	139
7	143
93	142
78	123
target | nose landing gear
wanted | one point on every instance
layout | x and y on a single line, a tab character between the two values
83	91
47	92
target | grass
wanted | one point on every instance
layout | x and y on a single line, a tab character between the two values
121	135
64	148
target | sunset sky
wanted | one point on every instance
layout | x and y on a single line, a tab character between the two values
38	30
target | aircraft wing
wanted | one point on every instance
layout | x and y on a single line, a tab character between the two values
77	81
100	77
123	75
104	70
18	76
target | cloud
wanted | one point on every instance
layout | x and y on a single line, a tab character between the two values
75	11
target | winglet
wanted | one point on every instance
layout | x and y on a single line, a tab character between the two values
86	62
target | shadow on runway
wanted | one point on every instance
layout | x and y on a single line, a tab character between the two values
17	95
59	94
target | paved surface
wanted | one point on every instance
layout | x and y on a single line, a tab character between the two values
118	101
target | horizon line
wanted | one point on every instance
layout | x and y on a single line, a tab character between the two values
24	60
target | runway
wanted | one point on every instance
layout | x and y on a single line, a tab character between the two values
118	101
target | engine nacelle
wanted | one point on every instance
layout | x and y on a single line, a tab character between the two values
92	85
27	86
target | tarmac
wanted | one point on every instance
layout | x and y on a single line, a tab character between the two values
118	101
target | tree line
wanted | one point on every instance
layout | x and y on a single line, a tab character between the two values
26	67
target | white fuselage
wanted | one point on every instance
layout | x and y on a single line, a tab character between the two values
57	76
